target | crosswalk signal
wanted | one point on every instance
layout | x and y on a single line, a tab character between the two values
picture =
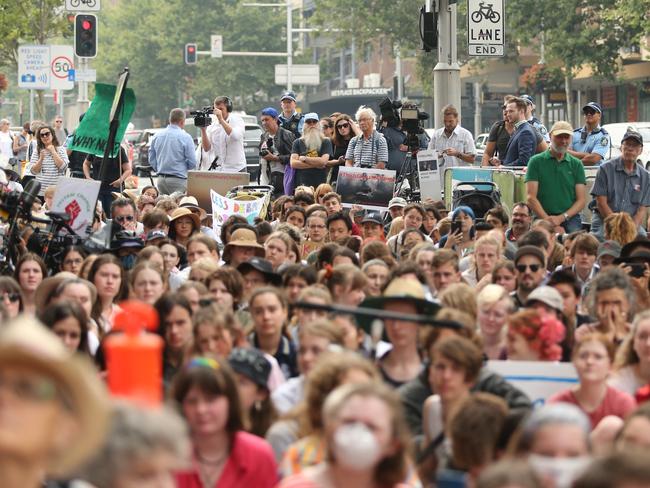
85	35
190	53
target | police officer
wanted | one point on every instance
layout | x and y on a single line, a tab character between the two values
289	118
591	143
534	121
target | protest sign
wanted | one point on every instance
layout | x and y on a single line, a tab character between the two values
199	184
77	198
92	134
223	207
370	188
429	173
537	379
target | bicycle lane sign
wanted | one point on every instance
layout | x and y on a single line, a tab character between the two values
486	28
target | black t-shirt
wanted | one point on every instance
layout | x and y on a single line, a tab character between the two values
338	152
500	136
112	172
313	176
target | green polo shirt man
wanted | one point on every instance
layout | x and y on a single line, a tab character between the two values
555	182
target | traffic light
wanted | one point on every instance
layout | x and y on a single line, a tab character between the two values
190	53
85	35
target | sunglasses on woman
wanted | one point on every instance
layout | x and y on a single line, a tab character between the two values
45	134
343	126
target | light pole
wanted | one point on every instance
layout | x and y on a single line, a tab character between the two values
446	74
288	6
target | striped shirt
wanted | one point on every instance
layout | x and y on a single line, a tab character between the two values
366	153
50	173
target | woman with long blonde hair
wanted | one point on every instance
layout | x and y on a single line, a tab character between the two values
620	227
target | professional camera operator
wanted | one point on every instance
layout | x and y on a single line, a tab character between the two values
225	138
396	142
275	149
368	150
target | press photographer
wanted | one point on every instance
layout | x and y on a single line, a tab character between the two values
224	138
275	149
401	125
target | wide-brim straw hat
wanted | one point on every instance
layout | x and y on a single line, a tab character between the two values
399	290
44	290
243	238
185	212
25	343
193	204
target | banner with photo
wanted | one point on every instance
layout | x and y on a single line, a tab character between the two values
77	198
429	174
370	188
223	207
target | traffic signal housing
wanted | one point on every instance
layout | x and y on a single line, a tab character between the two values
190	53
85	35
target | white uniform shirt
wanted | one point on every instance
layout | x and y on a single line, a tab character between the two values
461	139
229	148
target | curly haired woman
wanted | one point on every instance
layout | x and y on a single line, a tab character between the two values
534	337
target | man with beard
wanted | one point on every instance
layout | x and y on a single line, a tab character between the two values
310	154
523	141
555	182
521	220
530	266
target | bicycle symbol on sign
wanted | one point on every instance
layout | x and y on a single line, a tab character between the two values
485	12
88	3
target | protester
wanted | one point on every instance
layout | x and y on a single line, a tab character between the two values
50	160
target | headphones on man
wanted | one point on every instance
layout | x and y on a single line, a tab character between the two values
227	101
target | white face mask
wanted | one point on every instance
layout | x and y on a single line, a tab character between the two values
563	471
355	446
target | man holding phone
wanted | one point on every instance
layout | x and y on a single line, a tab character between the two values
622	185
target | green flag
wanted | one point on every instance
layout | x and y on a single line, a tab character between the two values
92	134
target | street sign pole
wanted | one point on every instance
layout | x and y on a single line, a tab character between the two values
446	74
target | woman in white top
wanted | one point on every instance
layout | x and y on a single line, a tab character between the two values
50	160
632	367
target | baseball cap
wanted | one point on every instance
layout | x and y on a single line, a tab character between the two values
528	99
530	251
372	216
311	116
609	248
263	266
288	94
252	364
271	112
397	202
593	106
548	295
561	127
156	234
634	135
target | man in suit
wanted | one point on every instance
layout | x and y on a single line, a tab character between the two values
523	141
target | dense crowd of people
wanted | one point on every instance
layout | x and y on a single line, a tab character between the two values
272	377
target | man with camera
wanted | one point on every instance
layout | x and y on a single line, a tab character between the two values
453	143
225	138
369	149
275	149
171	154
290	119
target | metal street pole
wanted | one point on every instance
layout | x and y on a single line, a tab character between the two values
446	74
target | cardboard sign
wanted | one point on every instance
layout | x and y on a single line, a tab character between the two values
77	198
92	134
370	188
537	379
429	174
223	207
200	183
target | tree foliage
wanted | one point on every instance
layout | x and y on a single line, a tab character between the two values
149	37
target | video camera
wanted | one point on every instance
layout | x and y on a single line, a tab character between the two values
412	118
202	117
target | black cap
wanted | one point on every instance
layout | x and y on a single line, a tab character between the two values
593	106
637	246
634	135
252	364
288	94
372	216
263	266
530	251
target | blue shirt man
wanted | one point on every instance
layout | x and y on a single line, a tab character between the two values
290	119
622	185
523	142
172	154
591	143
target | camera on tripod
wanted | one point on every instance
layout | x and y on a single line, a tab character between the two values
394	112
202	117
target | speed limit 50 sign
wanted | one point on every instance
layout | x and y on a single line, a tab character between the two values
61	62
